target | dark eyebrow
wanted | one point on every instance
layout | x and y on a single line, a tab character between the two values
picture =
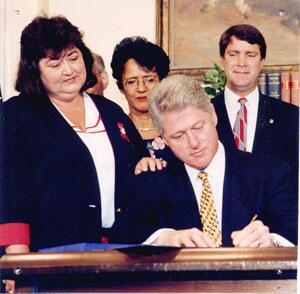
247	52
72	51
252	52
145	76
51	59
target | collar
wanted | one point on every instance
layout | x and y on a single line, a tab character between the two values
231	98
91	111
214	169
92	115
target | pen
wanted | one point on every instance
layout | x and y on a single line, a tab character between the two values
254	218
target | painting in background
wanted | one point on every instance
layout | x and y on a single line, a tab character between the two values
195	26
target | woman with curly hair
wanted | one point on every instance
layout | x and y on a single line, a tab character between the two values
138	65
68	156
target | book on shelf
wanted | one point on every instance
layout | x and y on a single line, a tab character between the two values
274	84
286	86
262	83
295	92
282	85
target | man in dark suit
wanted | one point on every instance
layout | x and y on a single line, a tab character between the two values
168	207
272	125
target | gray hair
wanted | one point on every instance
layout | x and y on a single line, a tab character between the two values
98	64
176	92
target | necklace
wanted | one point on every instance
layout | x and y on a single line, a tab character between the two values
142	129
146	129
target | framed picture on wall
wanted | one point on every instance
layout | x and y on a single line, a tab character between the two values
189	31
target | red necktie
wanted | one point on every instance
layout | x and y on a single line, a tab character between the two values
240	126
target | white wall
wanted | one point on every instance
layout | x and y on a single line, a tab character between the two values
15	15
107	22
103	22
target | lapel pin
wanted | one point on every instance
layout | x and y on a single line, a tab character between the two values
271	121
122	131
119	210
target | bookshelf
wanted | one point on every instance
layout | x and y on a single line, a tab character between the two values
281	82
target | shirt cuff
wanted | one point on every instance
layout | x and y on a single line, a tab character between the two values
279	241
150	240
14	233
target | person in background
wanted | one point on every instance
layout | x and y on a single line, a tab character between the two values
211	195
67	155
138	65
101	75
248	120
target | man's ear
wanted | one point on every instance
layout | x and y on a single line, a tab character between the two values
162	136
104	79
214	116
262	62
222	61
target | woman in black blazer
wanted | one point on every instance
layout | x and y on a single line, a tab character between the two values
67	156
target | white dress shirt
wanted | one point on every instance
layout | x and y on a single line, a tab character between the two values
232	106
96	140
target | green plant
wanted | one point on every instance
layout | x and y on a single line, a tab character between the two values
214	81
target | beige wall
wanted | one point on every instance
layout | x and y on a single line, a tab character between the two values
15	14
104	23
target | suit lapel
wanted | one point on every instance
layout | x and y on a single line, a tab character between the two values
184	193
62	131
235	214
223	127
113	134
263	132
64	140
111	116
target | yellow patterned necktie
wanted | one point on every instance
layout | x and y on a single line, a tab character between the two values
208	214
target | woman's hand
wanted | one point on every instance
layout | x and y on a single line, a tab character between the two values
149	163
10	286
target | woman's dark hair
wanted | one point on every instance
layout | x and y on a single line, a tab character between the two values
38	38
246	33
145	53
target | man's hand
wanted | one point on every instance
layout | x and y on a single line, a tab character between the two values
184	238
255	234
149	163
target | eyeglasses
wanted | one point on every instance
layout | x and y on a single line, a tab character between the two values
133	83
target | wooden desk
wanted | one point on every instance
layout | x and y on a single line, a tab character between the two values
259	270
